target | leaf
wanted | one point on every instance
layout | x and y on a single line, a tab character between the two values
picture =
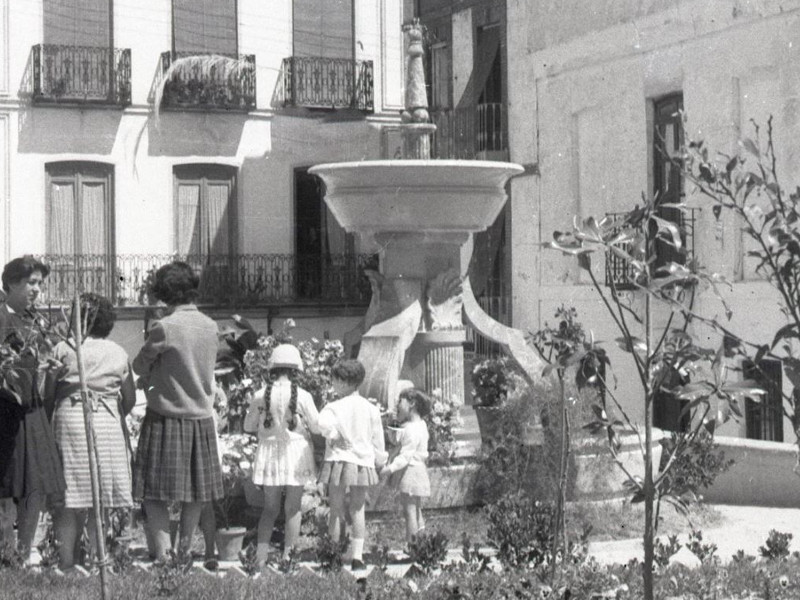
693	391
731	165
585	261
717	210
669	227
632	344
750	146
786	332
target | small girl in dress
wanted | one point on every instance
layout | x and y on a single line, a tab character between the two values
407	470
353	452
284	415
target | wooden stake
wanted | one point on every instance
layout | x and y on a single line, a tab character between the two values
88	420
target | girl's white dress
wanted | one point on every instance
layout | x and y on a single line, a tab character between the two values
283	457
409	473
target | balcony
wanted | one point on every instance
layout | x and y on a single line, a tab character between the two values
236	280
328	83
208	82
472	132
620	273
80	75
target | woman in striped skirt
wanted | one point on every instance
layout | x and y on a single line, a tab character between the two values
177	459
110	385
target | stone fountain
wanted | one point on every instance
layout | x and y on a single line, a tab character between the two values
421	214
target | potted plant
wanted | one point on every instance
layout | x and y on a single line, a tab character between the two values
491	383
237	458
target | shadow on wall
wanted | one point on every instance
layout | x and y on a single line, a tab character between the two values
195	134
57	130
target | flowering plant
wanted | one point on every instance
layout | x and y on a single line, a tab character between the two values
238	452
441	422
243	368
491	382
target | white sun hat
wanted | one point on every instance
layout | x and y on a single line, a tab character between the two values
285	356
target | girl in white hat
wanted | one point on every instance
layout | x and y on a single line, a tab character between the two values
284	415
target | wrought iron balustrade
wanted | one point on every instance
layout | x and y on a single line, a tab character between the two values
80	75
235	280
470	132
621	273
208	82
317	82
495	302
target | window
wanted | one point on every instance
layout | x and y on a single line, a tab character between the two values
80	225
323	28
668	180
77	23
325	253
79	212
440	74
204	27
205	210
764	419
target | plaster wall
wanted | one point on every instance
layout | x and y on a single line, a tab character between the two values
581	85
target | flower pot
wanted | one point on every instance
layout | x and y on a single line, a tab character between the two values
489	422
229	542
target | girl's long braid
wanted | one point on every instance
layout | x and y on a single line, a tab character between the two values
292	406
267	402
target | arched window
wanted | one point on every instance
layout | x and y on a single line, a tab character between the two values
79	208
80	229
205	210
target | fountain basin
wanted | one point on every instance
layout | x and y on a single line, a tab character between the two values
416	195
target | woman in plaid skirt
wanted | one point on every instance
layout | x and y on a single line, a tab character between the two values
177	459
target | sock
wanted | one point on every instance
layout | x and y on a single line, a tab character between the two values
357	547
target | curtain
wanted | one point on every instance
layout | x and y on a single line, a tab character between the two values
61	230
217	195
323	28
93	219
188	219
204	26
77	22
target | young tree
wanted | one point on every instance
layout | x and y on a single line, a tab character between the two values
657	355
747	185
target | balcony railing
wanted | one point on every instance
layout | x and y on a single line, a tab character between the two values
331	83
208	82
619	271
471	132
80	75
237	280
495	302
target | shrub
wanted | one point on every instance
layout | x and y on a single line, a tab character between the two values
705	552
428	549
777	545
329	553
521	529
696	467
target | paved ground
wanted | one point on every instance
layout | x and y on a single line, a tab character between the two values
744	528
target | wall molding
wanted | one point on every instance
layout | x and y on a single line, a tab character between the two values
4	48
5	186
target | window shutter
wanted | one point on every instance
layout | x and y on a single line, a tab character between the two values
77	22
204	27
323	28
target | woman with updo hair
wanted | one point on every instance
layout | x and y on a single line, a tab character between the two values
284	416
112	394
177	459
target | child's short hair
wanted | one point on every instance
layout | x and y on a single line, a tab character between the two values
418	400
349	370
